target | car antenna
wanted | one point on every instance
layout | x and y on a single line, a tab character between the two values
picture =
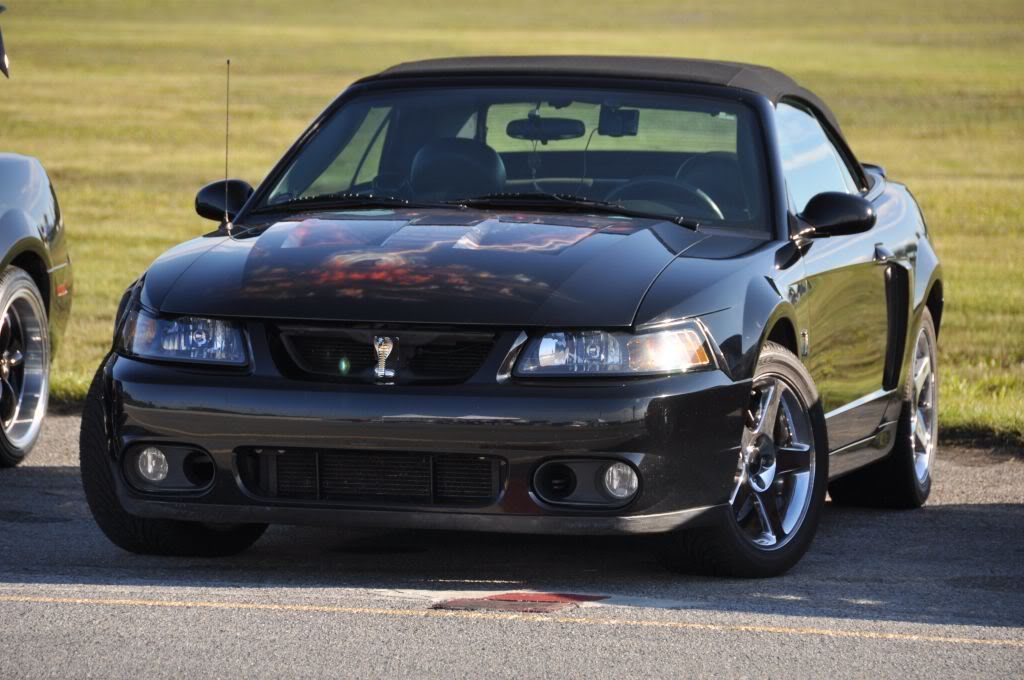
227	137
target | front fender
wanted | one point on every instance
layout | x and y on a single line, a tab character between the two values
739	299
32	229
741	331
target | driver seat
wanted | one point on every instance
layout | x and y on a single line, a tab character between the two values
450	168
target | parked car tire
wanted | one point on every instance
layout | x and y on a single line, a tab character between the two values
24	365
138	534
903	479
780	480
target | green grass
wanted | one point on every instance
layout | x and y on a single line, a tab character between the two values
122	101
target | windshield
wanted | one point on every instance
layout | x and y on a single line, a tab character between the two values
688	156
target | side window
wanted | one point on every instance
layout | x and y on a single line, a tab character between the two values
810	162
468	129
359	160
369	165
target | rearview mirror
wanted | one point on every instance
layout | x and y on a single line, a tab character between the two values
226	196
834	213
543	130
5	66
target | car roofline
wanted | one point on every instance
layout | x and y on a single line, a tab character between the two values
762	80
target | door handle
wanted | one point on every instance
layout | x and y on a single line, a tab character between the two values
882	254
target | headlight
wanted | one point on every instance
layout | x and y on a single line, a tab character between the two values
185	338
600	353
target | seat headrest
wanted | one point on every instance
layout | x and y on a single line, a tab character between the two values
451	168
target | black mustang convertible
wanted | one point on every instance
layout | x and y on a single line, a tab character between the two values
533	294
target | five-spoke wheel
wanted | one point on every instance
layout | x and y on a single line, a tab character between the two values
776	465
924	420
778	487
24	364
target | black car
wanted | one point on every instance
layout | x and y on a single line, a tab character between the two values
574	295
35	296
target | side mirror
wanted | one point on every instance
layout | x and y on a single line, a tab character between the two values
834	213
224	196
5	66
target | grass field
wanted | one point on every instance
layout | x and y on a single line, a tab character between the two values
123	103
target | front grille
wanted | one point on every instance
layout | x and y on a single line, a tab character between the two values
449	358
323	354
370	476
348	354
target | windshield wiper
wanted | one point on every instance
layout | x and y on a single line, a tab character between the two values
344	199
541	199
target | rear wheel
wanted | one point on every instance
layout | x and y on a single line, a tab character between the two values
779	485
903	479
24	365
139	534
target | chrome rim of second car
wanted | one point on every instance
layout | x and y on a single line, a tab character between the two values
924	414
775	475
24	363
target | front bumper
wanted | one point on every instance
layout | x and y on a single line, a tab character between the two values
681	433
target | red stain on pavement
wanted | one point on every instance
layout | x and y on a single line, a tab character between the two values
565	598
531	603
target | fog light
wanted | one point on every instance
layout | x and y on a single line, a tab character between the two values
152	464
555	481
620	481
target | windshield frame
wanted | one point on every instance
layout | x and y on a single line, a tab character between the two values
777	211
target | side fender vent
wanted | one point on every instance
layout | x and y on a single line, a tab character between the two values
897	298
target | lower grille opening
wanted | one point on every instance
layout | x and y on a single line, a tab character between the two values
370	476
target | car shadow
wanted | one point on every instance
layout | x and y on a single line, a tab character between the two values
951	564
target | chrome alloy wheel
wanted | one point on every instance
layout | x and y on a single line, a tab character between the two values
24	368
924	421
775	474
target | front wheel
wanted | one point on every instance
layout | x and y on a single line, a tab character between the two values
144	535
24	365
779	484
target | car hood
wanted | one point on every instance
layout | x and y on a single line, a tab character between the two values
428	266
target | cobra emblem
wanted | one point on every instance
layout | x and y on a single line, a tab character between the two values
383	346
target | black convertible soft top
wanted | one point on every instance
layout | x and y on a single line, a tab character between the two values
760	79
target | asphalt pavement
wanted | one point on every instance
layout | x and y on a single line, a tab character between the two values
936	592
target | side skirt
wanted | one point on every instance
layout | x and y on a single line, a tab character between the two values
860	453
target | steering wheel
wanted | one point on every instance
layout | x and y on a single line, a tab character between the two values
681	196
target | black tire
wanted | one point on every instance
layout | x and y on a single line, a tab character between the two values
141	535
16	282
723	549
893	482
